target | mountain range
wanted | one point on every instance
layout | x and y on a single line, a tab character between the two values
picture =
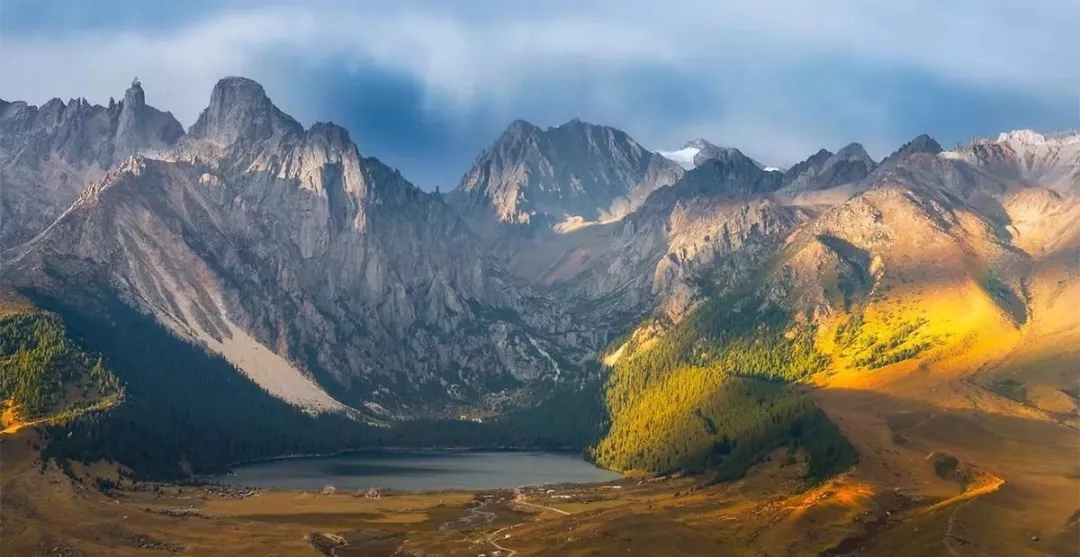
567	260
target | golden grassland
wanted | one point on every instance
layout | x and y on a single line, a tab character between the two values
893	503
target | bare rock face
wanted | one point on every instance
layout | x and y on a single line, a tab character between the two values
541	177
826	170
337	285
700	236
921	144
143	128
1027	158
308	265
48	155
240	113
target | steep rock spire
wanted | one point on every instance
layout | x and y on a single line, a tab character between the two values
240	111
139	126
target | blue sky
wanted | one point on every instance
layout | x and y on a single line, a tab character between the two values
425	85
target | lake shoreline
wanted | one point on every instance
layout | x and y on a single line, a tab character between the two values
419	470
417	450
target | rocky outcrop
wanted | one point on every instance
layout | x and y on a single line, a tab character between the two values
921	144
309	266
49	154
240	114
825	170
140	127
1027	158
537	177
337	285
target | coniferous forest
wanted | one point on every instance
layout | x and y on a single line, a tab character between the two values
187	411
43	373
713	393
717	392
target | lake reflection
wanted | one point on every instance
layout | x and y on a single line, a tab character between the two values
421	471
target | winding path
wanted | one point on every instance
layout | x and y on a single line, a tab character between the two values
495	536
949	529
519	499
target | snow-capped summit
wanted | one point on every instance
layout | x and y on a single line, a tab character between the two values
685	156
696	151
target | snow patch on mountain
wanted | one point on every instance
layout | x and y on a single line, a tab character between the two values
684	156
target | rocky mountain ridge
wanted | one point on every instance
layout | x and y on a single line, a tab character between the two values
697	151
334	283
305	264
48	154
531	176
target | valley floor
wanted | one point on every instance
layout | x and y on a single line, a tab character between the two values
1011	490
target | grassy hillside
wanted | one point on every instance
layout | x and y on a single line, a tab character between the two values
716	392
45	377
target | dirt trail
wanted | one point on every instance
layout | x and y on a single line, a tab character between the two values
519	499
495	536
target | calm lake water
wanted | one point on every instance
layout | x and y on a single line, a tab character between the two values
421	471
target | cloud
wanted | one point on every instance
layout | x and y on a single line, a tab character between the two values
778	79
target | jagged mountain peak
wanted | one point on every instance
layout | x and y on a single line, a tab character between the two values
134	96
853	151
1021	139
855	158
729	172
576	122
697	151
330	134
578	127
515	133
825	169
921	144
727	156
531	175
520	127
140	127
1027	157
240	110
1031	137
49	154
700	143
55	104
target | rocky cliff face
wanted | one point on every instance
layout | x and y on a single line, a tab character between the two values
542	177
728	224
1027	158
824	170
699	236
307	265
49	154
339	286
